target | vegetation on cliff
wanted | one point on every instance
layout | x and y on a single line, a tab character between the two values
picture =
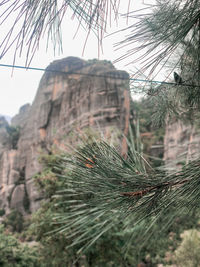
14	253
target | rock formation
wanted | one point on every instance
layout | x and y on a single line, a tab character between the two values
73	94
181	143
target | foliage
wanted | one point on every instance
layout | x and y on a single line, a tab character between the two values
164	47
26	201
55	249
14	221
2	212
31	19
133	239
101	195
12	253
187	254
103	62
48	181
156	31
103	200
102	190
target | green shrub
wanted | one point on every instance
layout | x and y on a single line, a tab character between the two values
26	202
13	253
54	250
14	220
188	253
2	212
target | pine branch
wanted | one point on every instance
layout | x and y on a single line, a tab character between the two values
161	30
153	188
112	190
30	19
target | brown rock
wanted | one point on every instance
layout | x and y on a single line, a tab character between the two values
17	198
68	100
21	118
4	136
181	143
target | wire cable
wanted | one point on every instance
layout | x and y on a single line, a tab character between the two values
95	75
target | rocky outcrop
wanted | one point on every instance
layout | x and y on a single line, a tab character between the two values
23	116
4	136
73	95
181	143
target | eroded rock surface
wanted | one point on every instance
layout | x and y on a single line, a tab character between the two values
4	136
181	143
67	101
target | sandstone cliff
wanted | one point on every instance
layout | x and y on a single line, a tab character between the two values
181	143
64	103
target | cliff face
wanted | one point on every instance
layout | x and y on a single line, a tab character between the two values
181	144
64	103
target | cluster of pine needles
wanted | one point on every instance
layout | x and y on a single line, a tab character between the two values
102	189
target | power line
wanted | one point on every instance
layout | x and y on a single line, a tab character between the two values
93	75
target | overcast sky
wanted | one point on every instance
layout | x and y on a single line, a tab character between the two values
20	88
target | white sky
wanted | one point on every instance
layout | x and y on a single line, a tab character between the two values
20	88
